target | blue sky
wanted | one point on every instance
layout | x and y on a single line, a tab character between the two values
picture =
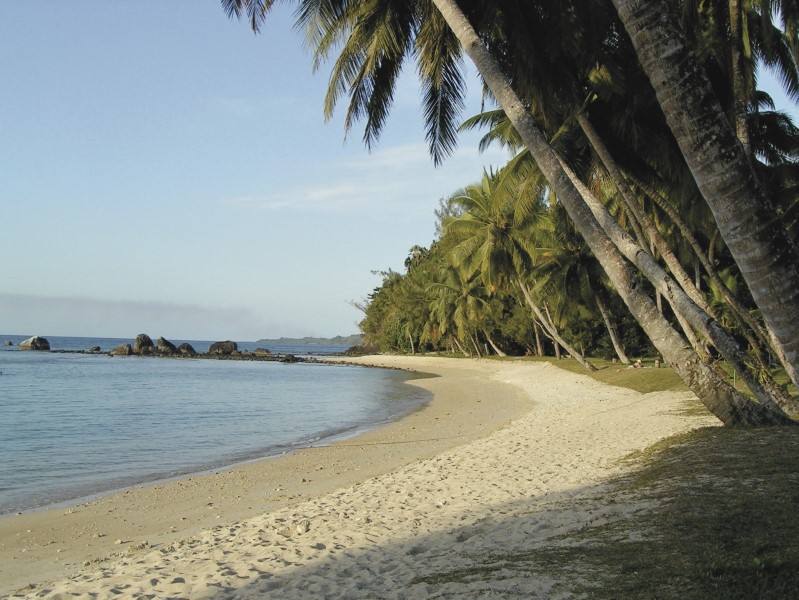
163	170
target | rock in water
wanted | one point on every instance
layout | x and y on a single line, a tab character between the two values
35	343
122	350
227	347
166	347
186	348
143	344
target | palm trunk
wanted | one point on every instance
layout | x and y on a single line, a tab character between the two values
710	269
739	91
745	215
550	328
570	349
494	346
475	346
614	338
538	346
649	228
460	347
730	406
688	314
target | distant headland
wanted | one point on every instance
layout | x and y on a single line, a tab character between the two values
339	340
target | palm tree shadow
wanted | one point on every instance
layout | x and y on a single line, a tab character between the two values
712	515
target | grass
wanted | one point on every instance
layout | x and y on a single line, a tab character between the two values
645	380
649	378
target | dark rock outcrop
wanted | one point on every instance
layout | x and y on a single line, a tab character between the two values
35	343
226	348
143	344
122	350
187	349
289	358
166	347
94	350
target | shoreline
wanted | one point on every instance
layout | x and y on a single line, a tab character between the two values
316	440
364	517
52	542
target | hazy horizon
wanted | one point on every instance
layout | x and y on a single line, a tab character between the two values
166	170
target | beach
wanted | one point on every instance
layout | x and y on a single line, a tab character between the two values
493	464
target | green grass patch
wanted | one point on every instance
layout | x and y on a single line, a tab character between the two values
644	380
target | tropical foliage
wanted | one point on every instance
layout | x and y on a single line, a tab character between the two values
651	202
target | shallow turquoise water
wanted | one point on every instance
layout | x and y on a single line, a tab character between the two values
73	425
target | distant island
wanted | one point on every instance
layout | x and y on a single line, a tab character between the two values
339	340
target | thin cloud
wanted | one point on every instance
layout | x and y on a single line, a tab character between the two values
27	314
392	179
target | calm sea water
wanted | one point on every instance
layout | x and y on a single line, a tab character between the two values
74	425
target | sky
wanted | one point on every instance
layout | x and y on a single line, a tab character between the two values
165	171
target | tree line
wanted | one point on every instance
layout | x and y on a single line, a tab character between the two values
652	188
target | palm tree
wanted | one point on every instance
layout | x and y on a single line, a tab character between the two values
736	39
730	406
767	257
574	271
457	306
495	240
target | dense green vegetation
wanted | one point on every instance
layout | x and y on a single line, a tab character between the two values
496	281
650	206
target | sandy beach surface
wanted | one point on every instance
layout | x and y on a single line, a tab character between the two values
492	465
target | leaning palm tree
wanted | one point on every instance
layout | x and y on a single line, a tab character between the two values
767	257
372	62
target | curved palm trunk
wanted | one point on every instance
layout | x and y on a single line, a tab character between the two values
538	346
570	349
687	312
550	328
740	97
658	242
730	406
460	347
614	338
493	345
475	346
749	225
672	262
707	264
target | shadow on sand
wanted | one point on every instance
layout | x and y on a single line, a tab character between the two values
712	514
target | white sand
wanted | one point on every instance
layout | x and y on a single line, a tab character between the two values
492	466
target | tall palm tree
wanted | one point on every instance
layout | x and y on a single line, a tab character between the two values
457	305
730	406
495	240
747	220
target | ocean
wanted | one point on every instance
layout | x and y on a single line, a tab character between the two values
76	425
